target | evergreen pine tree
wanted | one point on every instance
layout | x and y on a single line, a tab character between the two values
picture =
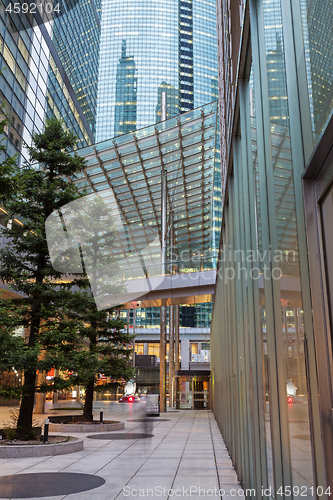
32	193
102	339
103	347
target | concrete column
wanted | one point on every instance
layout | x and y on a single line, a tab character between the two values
163	313
162	358
171	355
299	369
134	320
176	313
185	354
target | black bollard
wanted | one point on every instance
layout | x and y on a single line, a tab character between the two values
46	430
101	417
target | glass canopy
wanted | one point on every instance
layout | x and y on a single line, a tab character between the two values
131	166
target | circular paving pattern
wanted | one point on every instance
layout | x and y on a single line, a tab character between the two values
47	484
129	435
149	420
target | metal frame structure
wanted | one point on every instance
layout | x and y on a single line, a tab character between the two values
162	178
317	181
131	165
252	344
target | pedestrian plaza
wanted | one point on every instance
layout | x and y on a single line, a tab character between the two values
185	457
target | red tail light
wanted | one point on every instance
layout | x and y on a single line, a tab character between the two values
289	399
130	399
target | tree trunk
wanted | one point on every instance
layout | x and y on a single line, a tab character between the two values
40	396
88	403
24	422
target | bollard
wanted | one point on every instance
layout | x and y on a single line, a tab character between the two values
101	417
46	430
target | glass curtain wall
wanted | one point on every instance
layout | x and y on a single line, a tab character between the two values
191	316
49	69
317	19
264	380
76	39
170	45
24	57
147	48
149	31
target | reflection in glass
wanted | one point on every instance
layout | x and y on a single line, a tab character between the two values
286	254
172	101
317	20
327	214
126	81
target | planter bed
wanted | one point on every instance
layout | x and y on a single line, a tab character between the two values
73	423
36	430
24	449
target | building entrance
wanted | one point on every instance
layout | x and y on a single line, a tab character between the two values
192	392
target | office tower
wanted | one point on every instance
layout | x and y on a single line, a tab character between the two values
24	64
125	106
75	37
49	69
277	86
185	41
172	98
318	41
173	46
149	47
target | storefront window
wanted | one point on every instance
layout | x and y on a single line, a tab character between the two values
139	349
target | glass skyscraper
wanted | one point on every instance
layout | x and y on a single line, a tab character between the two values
170	45
318	41
126	80
49	69
24	57
73	69
146	48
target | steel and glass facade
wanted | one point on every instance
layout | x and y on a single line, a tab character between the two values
170	44
274	274
76	39
148	47
23	84
190	316
318	41
49	69
150	31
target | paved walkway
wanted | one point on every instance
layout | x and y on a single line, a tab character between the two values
186	458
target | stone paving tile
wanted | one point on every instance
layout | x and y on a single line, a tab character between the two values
160	481
195	483
196	464
214	495
39	498
108	491
230	491
187	451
